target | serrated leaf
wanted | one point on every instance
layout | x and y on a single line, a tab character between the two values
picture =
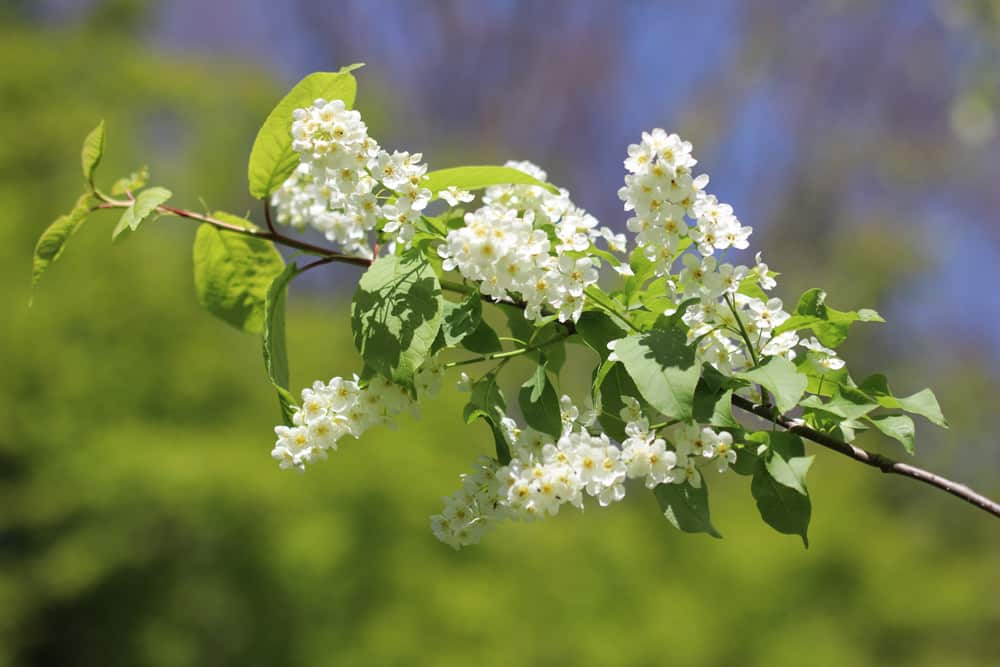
396	314
540	404
145	204
663	367
275	348
92	152
233	273
686	507
780	377
272	159
923	403
783	508
477	177
898	427
53	240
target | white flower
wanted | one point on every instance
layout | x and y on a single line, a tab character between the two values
454	195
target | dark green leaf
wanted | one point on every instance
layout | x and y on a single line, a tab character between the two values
483	340
714	408
272	159
597	329
233	273
486	402
460	319
396	314
686	507
275	348
782	508
614	382
540	404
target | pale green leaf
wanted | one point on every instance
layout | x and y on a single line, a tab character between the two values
92	152
898	427
232	274
272	159
780	377
53	240
477	177
145	205
663	367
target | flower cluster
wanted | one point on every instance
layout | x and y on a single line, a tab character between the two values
546	473
346	185
505	247
329	411
734	320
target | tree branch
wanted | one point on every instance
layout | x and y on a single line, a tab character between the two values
883	463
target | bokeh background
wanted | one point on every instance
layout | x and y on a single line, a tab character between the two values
141	519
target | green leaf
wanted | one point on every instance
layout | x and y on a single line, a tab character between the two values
92	152
134	181
613	382
779	376
790	473
461	319
898	427
486	402
145	204
275	349
686	507
478	177
922	403
540	404
782	507
53	240
847	402
829	325
714	407
272	159
232	274
396	314
597	329
483	340
664	369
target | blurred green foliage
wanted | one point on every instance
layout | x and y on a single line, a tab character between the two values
143	522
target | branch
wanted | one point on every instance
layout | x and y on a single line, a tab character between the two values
883	463
273	236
